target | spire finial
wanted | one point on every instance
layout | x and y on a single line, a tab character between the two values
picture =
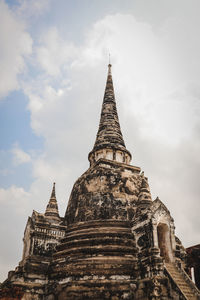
53	193
109	66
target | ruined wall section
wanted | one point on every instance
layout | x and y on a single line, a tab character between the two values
41	236
150	263
153	250
193	262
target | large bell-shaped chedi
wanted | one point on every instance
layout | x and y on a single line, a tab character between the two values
98	257
110	186
119	244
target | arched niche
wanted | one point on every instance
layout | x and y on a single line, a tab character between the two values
164	242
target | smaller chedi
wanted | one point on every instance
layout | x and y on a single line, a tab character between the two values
114	241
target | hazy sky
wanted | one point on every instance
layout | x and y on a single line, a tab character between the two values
53	68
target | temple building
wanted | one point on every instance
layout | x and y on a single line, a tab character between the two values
114	241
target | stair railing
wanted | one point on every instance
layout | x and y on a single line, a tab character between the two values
189	281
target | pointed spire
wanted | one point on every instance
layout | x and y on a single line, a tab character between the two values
109	136
52	207
53	193
144	194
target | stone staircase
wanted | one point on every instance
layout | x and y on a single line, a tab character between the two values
183	282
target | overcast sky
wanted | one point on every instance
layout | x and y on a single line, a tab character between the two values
53	68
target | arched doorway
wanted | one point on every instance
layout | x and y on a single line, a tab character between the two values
164	242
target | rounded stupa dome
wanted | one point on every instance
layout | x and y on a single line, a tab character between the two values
106	191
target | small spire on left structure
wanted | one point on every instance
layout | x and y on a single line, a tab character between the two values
52	207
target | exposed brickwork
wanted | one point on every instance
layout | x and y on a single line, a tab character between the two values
108	190
11	293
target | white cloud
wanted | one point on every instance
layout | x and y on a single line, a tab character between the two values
15	208
15	198
16	44
55	53
20	156
32	8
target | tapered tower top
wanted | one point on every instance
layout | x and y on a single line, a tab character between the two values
52	207
109	142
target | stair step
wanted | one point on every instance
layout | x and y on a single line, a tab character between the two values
180	281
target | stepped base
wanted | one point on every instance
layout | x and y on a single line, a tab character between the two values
96	248
98	290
